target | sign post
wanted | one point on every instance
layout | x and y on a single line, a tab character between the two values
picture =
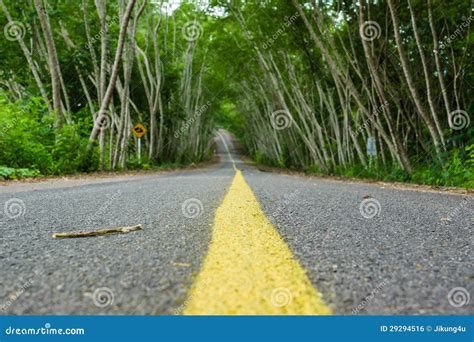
139	131
371	149
139	150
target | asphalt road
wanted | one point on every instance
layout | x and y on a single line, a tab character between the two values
414	256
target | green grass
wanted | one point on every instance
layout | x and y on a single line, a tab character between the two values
457	170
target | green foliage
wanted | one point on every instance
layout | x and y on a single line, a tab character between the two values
230	119
26	136
259	157
238	93
262	158
69	152
374	170
457	171
12	173
134	164
28	141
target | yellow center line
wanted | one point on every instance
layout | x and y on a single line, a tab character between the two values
227	150
249	270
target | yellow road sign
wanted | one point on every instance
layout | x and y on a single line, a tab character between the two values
139	130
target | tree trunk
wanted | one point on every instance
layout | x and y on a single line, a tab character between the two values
439	69
52	61
115	69
426	73
409	79
29	59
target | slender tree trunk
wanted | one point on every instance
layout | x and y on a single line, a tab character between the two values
52	61
339	75
409	79
102	77
439	69
29	59
385	108
427	76
115	70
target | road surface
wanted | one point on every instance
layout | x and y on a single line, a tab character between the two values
232	239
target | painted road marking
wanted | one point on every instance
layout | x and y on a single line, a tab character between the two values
249	269
227	150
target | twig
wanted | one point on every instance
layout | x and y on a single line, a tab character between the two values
98	232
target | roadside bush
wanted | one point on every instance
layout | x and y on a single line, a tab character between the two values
26	135
457	171
69	151
28	141
12	173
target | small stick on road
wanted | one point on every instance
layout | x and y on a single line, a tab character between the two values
98	232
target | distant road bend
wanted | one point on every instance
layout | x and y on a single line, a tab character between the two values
230	239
